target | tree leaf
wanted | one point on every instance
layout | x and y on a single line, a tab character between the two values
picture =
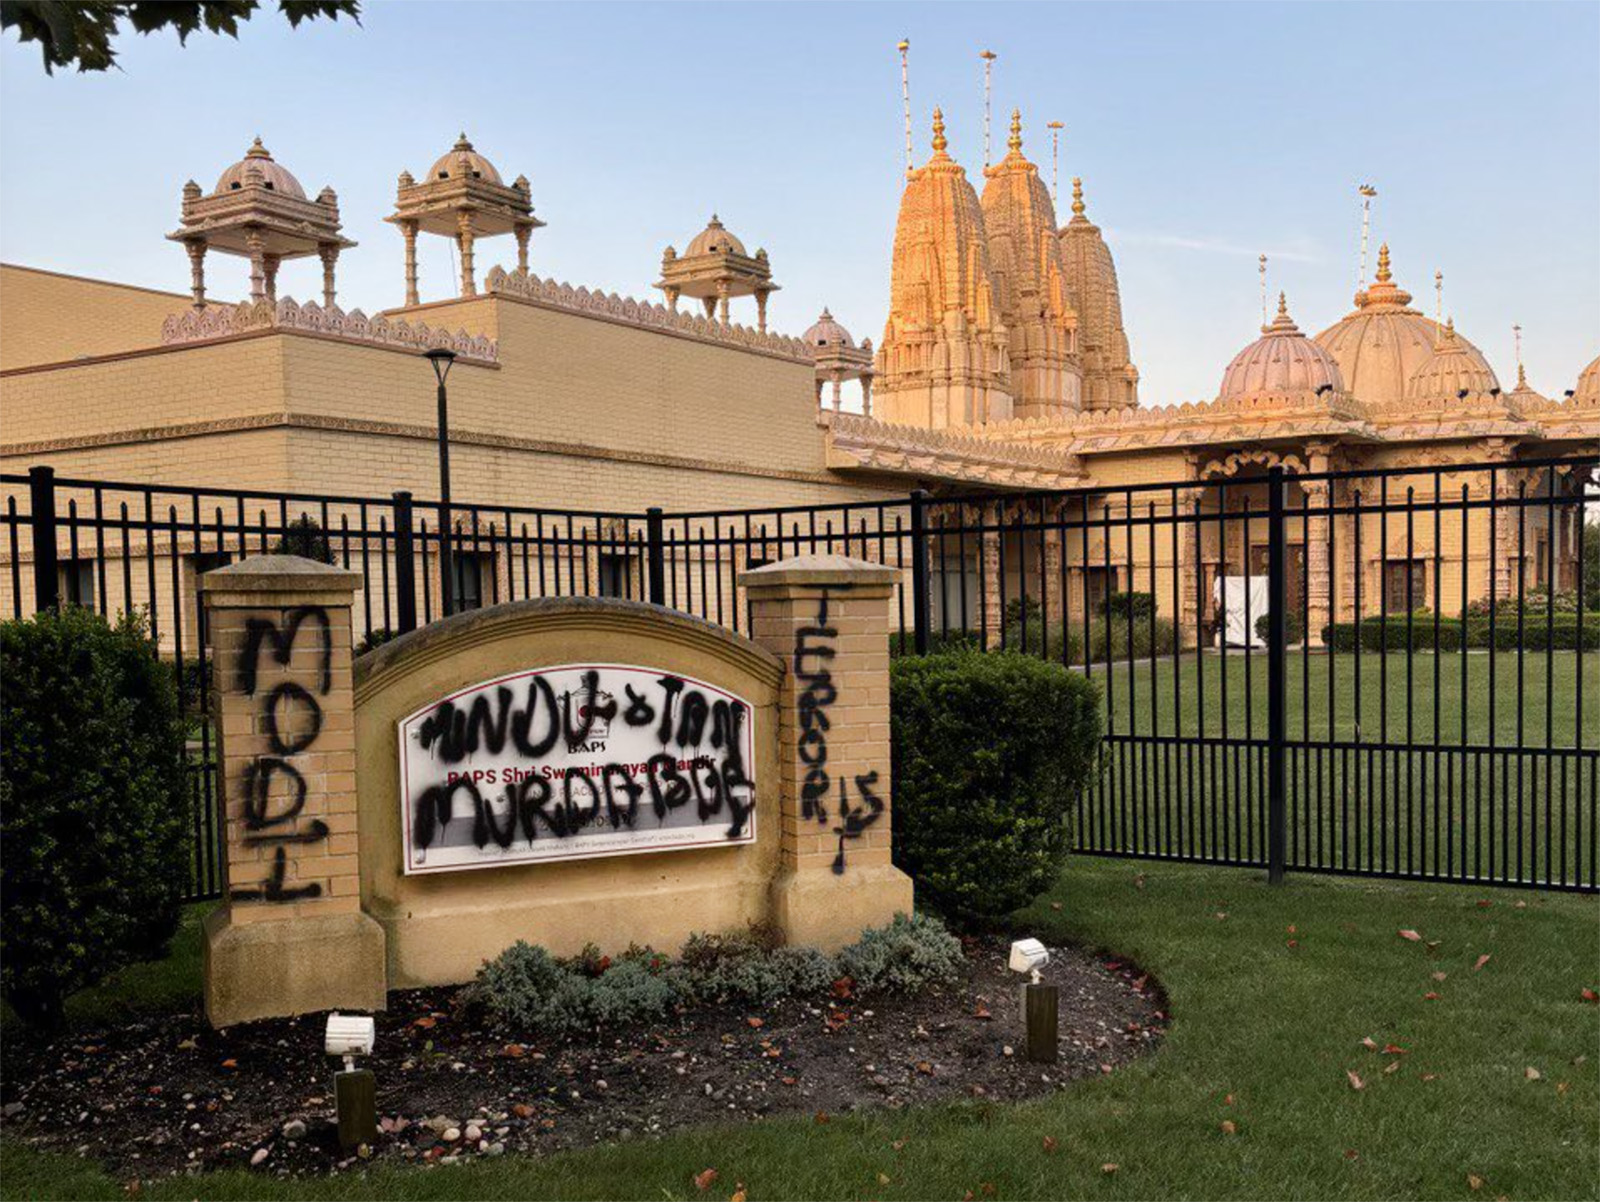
1410	935
1355	1080
704	1179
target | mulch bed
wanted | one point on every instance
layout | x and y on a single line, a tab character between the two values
167	1094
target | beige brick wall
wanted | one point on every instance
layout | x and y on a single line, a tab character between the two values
46	317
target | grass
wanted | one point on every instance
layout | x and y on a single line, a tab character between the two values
1262	1035
1490	690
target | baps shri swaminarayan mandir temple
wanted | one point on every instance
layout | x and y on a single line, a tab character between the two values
1004	368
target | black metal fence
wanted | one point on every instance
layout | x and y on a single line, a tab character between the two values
1379	672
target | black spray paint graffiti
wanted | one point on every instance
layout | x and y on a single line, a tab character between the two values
814	652
563	803
263	821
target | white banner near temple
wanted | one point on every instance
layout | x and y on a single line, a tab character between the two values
572	762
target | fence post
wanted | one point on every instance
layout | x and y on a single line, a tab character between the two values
655	556
405	563
919	569
1277	656
42	502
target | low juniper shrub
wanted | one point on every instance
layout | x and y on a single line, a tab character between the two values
901	957
530	991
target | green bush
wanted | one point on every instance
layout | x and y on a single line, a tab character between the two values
304	537
1120	605
94	805
1294	628
1036	642
903	956
903	642
373	639
990	751
531	991
1395	634
1565	601
1109	638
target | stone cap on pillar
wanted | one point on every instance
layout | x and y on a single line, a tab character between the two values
285	579
812	571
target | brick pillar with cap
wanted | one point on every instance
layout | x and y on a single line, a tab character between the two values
827	618
290	936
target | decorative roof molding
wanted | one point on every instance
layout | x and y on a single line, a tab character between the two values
864	443
644	314
225	321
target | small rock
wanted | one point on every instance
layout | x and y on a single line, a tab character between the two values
451	1134
294	1129
497	1148
1008	1050
259	1155
12	1109
474	1133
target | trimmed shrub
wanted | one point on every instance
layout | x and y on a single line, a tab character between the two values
1110	637
904	642
304	537
1047	648
990	751
1120	605
1293	627
902	957
94	805
1564	602
528	989
1376	634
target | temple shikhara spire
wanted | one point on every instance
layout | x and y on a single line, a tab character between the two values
943	359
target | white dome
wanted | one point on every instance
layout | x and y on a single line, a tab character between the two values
258	166
1281	360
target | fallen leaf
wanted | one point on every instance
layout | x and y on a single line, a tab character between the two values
1430	996
1227	1100
755	1023
1294	943
1109	1167
1394	1066
514	1050
1355	1080
1229	1127
986	1188
843	987
898	1144
1411	935
1562	1087
522	1110
1050	1144
1055	905
1351	1154
788	1080
1221	914
883	1178
1531	1074
822	1116
230	1064
738	1195
1439	976
426	1022
1393	1049
925	1068
1370	1044
1292	931
1482	960
1430	1076
981	1011
704	1179
1474	1181
1588	994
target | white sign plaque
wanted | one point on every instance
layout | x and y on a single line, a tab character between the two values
571	762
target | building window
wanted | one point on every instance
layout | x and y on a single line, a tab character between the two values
1405	585
473	574
612	573
1100	584
75	581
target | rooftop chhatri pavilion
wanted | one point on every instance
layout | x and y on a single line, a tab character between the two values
462	198
715	268
260	211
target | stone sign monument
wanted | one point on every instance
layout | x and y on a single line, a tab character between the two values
397	820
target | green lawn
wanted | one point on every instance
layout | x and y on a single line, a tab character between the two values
1263	1035
1148	697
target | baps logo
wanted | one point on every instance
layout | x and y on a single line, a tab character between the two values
593	714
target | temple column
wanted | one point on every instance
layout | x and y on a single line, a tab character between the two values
197	271
1050	586
465	239
270	264
408	230
837	381
710	302
258	271
761	320
722	302
994	619
672	304
1189	581
866	396
523	232
330	255
1319	583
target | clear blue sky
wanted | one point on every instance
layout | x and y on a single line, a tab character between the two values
1205	134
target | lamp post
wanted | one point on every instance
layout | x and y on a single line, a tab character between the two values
441	360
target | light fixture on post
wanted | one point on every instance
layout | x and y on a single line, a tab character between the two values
442	358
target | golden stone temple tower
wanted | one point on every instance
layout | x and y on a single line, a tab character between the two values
1030	285
994	313
944	357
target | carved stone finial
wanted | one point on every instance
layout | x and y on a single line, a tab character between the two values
1077	197
1384	275
1014	142
407	180
939	142
328	197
